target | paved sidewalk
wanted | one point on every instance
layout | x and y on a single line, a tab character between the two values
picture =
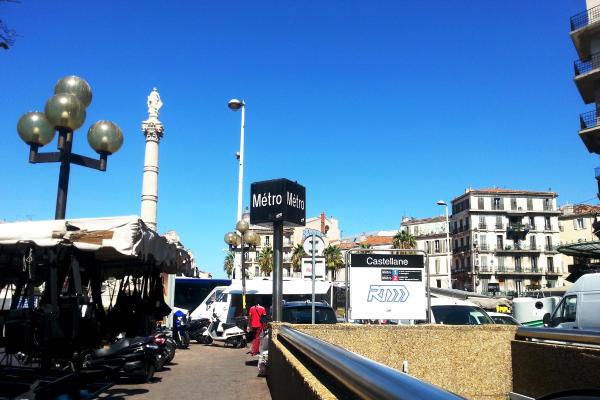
201	372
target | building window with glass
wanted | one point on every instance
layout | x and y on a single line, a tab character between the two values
550	264
437	246
437	266
529	204
480	203
267	240
579	223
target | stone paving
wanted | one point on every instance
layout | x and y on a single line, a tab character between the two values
201	372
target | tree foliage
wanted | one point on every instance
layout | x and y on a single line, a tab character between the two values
404	240
265	260
297	254
228	264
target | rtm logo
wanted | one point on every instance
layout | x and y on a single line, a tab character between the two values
387	293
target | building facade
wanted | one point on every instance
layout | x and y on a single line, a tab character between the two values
505	240
575	224
430	235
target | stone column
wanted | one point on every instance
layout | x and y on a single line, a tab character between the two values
153	131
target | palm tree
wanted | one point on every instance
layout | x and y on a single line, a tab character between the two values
228	264
297	254
365	246
265	260
333	259
404	240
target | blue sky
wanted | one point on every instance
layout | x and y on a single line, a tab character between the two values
379	108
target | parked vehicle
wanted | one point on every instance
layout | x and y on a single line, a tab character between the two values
180	330
166	350
130	357
579	308
300	312
219	331
197	327
503	319
530	311
450	311
227	300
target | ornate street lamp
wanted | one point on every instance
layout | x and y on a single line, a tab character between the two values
65	112
247	241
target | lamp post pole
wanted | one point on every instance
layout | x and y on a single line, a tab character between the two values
246	238
234	105
448	260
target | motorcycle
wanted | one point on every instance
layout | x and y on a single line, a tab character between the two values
197	327
263	352
180	330
166	351
131	357
229	334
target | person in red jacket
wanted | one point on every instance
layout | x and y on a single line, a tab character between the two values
255	326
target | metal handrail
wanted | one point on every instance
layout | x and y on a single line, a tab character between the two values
583	67
363	377
558	334
588	120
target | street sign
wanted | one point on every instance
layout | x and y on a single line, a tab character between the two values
319	267
387	286
277	200
318	245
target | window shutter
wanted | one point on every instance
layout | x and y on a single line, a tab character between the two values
584	223
575	224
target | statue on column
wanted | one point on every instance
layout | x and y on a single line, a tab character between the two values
154	103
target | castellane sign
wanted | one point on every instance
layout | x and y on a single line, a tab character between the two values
277	200
387	286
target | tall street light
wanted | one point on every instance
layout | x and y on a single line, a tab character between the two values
448	261
65	112
234	105
247	241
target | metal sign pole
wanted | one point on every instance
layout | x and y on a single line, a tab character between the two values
277	270
391	251
314	250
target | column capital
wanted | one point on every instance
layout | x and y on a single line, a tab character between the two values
153	129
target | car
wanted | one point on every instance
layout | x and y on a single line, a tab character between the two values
504	319
300	312
450	311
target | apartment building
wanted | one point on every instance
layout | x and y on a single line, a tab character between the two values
505	237
576	228
266	240
430	235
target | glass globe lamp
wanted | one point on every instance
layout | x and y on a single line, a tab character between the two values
105	137
251	237
242	226
76	86
64	110
229	238
34	128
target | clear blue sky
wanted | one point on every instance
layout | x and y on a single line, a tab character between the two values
379	108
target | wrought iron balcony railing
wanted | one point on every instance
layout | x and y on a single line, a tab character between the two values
585	18
588	120
583	67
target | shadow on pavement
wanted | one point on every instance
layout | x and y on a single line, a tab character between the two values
121	393
252	363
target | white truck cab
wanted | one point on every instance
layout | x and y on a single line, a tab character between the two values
579	308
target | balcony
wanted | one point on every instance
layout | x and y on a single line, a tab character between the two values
504	269
583	27
518	248
487	270
517	231
484	247
587	76
589	131
500	227
553	272
550	248
482	226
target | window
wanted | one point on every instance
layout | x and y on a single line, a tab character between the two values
513	204
517	263
547	224
532	243
462	242
484	262
437	266
438	283
534	263
460	225
579	223
267	241
529	204
256	271
455	243
549	243
467	239
483	242
497	204
480	203
566	310
416	229
428	247
257	255
532	222
547	205
482	222
246	255
499	242
498	222
550	264
437	246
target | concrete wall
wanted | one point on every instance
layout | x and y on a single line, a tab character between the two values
540	368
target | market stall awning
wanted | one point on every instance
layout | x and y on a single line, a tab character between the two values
581	249
115	243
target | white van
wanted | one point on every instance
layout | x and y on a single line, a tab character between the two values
579	308
450	311
226	301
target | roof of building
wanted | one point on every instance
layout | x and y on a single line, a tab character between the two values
505	191
418	221
378	240
586	209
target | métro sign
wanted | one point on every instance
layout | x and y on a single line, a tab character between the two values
387	286
277	200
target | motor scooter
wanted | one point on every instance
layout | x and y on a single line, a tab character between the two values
229	334
197	327
131	357
180	330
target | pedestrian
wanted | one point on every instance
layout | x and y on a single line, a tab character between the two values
256	327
